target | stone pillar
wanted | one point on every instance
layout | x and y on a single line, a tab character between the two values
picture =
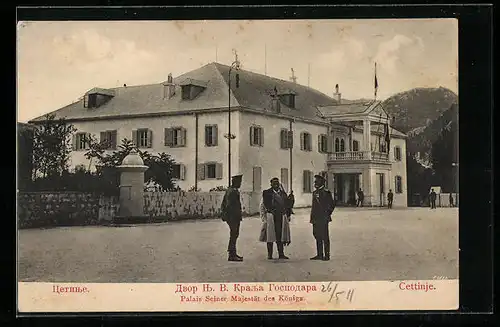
132	186
367	187
367	138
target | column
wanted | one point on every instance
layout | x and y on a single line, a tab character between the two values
367	138
367	186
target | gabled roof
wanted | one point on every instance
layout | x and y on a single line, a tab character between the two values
254	93
349	108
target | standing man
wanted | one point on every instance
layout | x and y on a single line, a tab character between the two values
390	197
231	214
361	197
321	215
432	198
451	200
275	202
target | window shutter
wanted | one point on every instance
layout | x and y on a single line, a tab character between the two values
150	138
207	135
215	134
329	144
284	178
103	137
182	170
283	143
290	139
252	131
169	137
320	148
302	140
183	137
75	141
88	137
135	138
114	137
218	170
261	136
201	171
305	178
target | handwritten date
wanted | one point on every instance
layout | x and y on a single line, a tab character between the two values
337	293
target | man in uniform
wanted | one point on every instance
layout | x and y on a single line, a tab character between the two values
361	197
321	215
276	203
231	214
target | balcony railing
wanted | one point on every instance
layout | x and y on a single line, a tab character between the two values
358	156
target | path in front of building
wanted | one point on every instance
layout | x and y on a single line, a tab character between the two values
367	244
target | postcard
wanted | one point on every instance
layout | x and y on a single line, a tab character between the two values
257	165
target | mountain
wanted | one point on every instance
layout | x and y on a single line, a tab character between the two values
416	109
419	144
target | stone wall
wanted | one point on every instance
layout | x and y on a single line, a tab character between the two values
38	209
182	205
109	207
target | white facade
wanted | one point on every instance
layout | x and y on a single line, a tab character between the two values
259	162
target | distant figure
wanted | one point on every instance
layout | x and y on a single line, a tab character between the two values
291	203
451	200
361	197
432	199
390	197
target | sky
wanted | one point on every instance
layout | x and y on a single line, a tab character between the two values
57	62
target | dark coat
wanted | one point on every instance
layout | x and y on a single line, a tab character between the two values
231	205
432	196
322	206
390	196
269	205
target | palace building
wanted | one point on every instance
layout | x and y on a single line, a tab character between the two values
279	129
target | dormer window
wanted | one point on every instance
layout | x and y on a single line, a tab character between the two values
97	97
191	88
287	98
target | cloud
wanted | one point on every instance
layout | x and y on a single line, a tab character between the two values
349	49
397	49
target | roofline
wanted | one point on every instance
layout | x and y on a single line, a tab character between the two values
195	111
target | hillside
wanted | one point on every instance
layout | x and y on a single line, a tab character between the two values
422	141
417	108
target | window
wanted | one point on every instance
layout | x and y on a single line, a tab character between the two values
397	153
211	135
92	101
342	145
323	143
305	141
175	137
355	145
325	176
210	170
307	181
186	92
286	139
179	172
276	105
398	187
337	145
108	140
142	138
256	136
284	178
81	141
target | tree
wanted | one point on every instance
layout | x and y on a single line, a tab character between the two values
51	147
444	155
160	165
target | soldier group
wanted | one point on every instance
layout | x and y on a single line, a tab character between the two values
276	210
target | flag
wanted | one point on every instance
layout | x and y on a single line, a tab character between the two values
376	81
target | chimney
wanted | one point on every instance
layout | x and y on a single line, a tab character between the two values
337	95
169	87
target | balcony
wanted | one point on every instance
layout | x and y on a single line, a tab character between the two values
359	156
